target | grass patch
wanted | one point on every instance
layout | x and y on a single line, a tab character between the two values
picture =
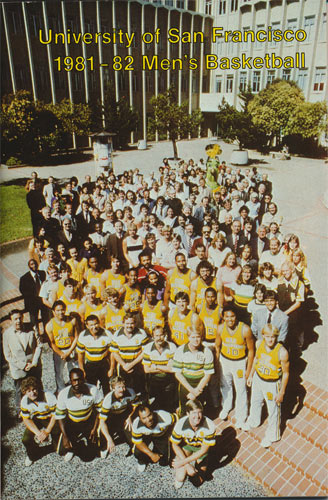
15	220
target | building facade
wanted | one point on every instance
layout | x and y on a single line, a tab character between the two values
255	15
42	68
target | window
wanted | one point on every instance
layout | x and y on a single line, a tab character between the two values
180	4
54	23
256	81
77	81
89	26
319	79
309	27
161	82
42	77
92	80
286	74
259	44
35	24
15	20
169	3
234	5
121	81
218	84
271	76
275	26
222	7
135	86
149	82
243	80
244	45
72	24
323	34
291	25
302	78
229	85
208	7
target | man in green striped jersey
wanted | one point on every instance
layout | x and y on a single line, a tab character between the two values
193	364
77	412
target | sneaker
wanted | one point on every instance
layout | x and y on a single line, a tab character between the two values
266	443
223	415
28	462
141	467
178	484
103	453
69	455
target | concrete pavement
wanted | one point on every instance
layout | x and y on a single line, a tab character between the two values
299	187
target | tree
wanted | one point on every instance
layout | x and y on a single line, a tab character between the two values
172	119
73	118
272	107
115	116
308	119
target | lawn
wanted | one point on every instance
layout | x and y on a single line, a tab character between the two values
15	221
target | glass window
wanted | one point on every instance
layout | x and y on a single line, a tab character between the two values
291	25
309	27
229	85
222	7
275	26
259	44
208	7
319	79
243	80
218	84
271	76
256	81
302	78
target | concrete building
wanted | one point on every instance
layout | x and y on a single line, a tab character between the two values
82	76
256	15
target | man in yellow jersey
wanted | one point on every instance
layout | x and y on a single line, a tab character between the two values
112	278
153	310
157	362
193	364
91	304
130	292
178	279
210	314
268	379
180	318
70	299
94	354
78	265
77	412
235	350
62	331
112	315
204	280
93	274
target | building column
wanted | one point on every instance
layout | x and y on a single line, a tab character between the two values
101	69
117	95
69	75
29	51
130	72
10	55
49	54
143	75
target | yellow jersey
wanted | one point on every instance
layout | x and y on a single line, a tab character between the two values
132	298
233	345
94	279
63	334
152	316
200	290
114	280
78	268
179	283
268	365
211	322
179	327
92	310
71	305
114	319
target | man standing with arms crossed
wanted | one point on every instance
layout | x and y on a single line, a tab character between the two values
235	351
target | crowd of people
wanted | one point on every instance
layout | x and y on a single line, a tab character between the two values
160	298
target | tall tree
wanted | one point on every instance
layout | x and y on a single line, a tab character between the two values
115	116
170	118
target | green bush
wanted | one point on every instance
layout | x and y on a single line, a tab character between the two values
12	161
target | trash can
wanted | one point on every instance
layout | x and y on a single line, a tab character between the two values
142	144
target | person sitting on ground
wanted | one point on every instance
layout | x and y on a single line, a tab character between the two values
191	439
38	414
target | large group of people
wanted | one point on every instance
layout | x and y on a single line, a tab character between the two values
160	298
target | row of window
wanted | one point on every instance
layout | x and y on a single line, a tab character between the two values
318	83
221	7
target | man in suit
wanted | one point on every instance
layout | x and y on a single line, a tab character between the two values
205	240
267	183
115	245
188	238
260	243
83	220
203	209
35	201
233	239
67	236
51	226
29	286
272	314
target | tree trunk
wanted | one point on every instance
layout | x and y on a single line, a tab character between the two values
175	149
